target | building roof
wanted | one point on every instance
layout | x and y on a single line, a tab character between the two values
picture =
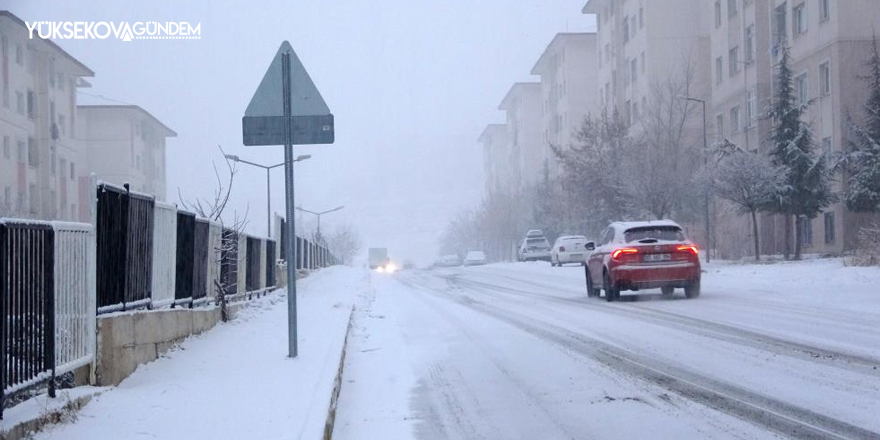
517	89
592	7
490	131
84	70
130	108
557	42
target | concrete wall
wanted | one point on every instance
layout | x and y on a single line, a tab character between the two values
128	340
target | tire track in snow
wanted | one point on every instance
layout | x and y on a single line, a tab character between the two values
752	339
776	415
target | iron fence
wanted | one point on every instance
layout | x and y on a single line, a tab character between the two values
124	249
201	241
271	262
74	272
27	296
253	264
164	254
186	245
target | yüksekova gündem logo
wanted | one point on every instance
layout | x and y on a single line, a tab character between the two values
125	31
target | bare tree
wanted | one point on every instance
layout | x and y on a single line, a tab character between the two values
659	170
213	209
345	242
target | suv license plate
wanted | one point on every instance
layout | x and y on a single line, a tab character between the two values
657	257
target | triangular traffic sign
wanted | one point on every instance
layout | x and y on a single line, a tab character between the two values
311	120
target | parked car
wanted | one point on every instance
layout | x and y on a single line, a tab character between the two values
570	249
449	261
643	255
534	247
475	258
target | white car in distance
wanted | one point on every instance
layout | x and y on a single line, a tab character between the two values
571	249
475	258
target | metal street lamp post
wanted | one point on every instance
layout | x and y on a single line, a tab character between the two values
319	214
268	169
705	162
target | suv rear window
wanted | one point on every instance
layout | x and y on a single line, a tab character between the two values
537	243
664	233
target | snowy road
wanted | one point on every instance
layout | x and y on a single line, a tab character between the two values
518	351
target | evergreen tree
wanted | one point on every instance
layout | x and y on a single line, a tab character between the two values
863	160
807	189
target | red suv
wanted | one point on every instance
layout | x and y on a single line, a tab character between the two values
643	255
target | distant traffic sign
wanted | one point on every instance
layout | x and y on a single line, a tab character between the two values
264	121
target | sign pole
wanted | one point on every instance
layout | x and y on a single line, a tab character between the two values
289	201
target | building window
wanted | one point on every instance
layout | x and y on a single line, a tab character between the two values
32	190
6	152
634	68
826	145
22	152
7	197
625	30
752	107
62	125
731	8
4	50
19	102
53	168
825	9
719	70
802	89
799	15
72	172
734	120
734	61
641	18
806	236
632	26
780	23
717	13
19	55
643	62
719	128
31	104
33	158
829	228
825	78
750	44
60	81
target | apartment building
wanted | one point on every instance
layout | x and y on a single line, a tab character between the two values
522	105
498	163
642	44
41	162
569	90
125	144
829	42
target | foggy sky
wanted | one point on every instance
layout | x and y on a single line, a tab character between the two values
411	83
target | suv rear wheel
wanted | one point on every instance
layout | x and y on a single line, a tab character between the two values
667	291
692	290
592	291
611	292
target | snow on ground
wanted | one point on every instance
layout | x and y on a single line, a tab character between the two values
518	351
235	381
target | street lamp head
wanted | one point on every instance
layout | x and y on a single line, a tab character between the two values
232	157
302	157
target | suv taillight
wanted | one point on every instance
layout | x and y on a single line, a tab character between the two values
561	248
623	251
689	248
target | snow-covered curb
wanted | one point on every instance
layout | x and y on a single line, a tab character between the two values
34	415
337	381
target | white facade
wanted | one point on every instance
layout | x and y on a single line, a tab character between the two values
829	41
125	144
644	43
41	161
569	90
524	121
498	162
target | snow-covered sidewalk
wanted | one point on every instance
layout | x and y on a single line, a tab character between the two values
235	381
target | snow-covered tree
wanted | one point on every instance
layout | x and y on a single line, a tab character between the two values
863	160
749	181
808	178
